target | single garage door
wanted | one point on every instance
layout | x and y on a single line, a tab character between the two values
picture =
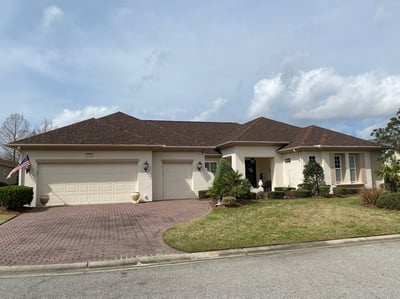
177	180
87	183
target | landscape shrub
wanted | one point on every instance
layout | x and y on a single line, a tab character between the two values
290	194
15	197
389	201
338	191
203	194
229	201
370	195
324	190
276	194
301	193
313	177
2	184
284	189
260	195
352	191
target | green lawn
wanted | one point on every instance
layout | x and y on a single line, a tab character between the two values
282	221
5	216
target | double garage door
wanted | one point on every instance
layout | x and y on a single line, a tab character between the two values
87	183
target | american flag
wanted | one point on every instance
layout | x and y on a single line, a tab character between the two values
24	164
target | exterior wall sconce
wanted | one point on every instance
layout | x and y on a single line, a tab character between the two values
199	165
145	166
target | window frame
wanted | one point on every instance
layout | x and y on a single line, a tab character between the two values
353	170
338	170
207	165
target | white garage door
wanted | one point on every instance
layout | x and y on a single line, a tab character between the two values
87	183
177	180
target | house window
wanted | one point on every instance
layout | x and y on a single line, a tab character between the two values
211	166
287	160
338	168
311	159
352	166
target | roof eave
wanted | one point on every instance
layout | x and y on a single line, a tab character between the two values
83	146
329	147
250	143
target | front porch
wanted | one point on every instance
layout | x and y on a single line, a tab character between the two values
255	169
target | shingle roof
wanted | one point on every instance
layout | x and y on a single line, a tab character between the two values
262	129
317	136
122	129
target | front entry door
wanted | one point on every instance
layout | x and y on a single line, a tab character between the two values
251	173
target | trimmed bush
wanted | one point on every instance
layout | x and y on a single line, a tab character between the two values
276	194
370	195
15	197
300	193
203	194
345	191
339	191
228	201
284	189
2	184
324	190
389	201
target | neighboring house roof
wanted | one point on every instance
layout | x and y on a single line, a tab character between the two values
122	129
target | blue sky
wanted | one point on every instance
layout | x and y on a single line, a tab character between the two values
329	63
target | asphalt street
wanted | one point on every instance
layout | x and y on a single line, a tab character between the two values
365	270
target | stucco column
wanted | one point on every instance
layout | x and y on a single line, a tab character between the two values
368	169
325	160
238	164
346	166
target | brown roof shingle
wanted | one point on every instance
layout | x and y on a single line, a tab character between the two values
123	129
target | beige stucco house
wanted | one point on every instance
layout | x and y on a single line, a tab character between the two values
105	160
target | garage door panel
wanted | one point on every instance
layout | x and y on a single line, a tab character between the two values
79	183
177	180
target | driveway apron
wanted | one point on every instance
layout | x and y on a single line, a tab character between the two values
70	234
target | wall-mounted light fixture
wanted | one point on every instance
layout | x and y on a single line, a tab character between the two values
199	165
145	166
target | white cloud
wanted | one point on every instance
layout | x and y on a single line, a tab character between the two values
266	92
382	14
323	94
71	116
51	14
215	106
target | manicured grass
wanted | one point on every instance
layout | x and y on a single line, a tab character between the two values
282	221
5	216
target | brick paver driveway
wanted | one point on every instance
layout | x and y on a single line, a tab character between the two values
71	234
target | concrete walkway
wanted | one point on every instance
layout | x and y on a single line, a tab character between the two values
73	234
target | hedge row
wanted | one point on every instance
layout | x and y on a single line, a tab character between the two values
15	197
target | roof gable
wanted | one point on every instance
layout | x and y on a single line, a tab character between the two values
263	130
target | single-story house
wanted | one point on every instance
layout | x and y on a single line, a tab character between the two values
5	168
105	160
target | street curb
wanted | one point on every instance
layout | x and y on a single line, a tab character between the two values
144	261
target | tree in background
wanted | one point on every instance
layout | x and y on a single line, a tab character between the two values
313	177
389	138
15	127
45	126
390	173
